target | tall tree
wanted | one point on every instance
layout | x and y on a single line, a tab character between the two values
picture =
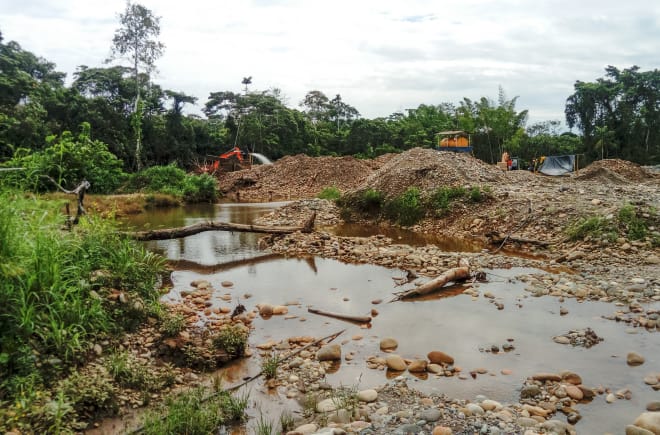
137	41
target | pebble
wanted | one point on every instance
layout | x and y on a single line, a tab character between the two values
395	362
437	357
431	415
329	352
367	395
634	359
388	344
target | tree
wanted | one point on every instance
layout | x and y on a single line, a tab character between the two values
136	40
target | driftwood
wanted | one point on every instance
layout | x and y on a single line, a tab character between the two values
460	273
177	233
80	191
497	239
350	318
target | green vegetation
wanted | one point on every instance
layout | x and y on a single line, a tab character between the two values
196	412
630	222
407	208
330	193
412	205
269	366
264	426
172	324
287	422
132	373
60	293
231	338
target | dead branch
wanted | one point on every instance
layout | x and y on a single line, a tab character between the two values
349	317
177	233
460	273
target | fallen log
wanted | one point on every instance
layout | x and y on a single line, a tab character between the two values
460	273
177	233
497	239
350	318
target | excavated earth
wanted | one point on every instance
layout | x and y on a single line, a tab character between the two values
532	212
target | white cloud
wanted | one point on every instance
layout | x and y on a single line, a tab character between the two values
381	56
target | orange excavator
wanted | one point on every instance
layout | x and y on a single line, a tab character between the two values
232	160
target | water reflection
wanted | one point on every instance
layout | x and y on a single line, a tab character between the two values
451	321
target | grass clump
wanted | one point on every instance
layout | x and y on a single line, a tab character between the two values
264	426
407	208
174	181
231	338
590	227
172	324
269	366
287	422
330	193
132	373
633	225
196	412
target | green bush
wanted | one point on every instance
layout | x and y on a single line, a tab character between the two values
174	181
440	200
407	208
231	338
68	160
595	226
330	193
634	227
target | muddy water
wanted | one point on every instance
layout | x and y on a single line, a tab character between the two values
454	323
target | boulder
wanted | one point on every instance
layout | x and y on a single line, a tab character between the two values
634	359
437	357
649	421
417	366
329	352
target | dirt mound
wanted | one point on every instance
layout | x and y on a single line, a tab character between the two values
429	169
615	171
298	176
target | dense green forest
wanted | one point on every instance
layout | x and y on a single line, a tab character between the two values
125	121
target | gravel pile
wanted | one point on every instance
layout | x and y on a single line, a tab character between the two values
429	169
298	176
614	170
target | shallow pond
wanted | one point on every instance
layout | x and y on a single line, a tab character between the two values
455	323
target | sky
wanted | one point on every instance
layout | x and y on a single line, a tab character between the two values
381	56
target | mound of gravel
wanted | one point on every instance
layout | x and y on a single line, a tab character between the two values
429	169
298	176
614	171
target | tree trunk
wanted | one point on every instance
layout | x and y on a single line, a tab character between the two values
177	233
460	273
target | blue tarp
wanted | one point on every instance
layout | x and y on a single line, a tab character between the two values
558	165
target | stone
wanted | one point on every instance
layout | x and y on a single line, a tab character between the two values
442	430
634	359
474	409
408	429
573	392
651	380
506	372
649	421
437	357
490	405
367	395
561	339
430	415
530	391
417	366
653	406
635	430
610	398
306	429
570	377
226	284
395	362
329	352
98	350
435	368
543	377
557	427
388	344
326	405
280	309
265	310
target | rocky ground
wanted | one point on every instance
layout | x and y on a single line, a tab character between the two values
532	210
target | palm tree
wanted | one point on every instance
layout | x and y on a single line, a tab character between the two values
247	81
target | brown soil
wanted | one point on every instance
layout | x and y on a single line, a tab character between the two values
614	170
295	177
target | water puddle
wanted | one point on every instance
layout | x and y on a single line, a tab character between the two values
453	322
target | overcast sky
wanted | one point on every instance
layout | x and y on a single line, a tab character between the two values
382	56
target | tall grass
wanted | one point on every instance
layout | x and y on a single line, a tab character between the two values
56	289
